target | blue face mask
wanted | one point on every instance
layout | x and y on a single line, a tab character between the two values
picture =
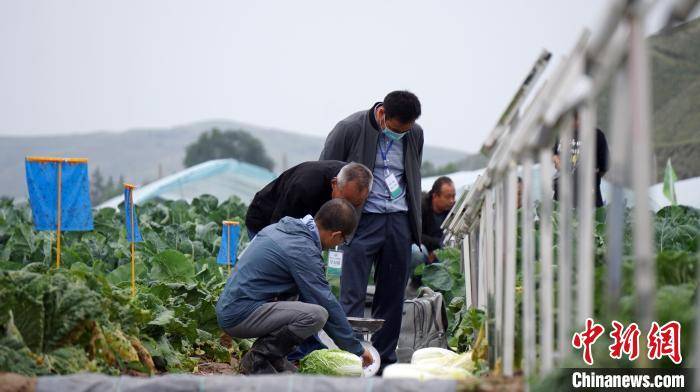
396	136
393	135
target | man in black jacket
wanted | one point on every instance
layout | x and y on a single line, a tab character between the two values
436	205
302	190
386	139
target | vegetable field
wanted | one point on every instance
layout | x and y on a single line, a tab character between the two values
82	317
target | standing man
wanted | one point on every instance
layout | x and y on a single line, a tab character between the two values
386	139
303	189
601	163
283	262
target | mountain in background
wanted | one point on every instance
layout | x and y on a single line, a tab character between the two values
144	155
675	66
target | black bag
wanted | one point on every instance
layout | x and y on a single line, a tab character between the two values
422	325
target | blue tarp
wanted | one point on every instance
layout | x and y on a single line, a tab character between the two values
127	211
42	181
224	251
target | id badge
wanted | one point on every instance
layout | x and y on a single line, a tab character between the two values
393	184
335	262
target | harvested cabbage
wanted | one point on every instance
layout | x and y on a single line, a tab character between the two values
434	356
428	372
331	362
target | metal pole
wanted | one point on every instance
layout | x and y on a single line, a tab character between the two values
509	284
467	271
640	105
528	267
564	257
500	245
586	209
617	178
474	266
546	274
490	277
482	262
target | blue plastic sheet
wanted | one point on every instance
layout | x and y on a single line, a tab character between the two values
224	251
127	211
42	183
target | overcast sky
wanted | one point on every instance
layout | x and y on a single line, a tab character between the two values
81	66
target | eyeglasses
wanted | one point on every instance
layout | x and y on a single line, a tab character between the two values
345	241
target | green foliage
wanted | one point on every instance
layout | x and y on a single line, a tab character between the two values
447	278
237	144
82	317
677	228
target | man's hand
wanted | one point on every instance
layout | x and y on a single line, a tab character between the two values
431	257
366	358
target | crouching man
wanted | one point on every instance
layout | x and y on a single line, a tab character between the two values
283	262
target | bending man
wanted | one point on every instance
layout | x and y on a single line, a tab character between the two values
302	190
282	263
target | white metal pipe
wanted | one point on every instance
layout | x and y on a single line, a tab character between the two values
509	272
490	275
545	257
586	209
528	268
564	264
640	106
499	236
617	178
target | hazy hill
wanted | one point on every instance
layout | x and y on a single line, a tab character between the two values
143	155
675	65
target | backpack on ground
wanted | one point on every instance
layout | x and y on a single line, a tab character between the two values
423	324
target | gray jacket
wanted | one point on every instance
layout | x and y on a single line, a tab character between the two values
354	139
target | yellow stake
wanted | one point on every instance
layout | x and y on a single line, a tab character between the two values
58	218
228	248
133	239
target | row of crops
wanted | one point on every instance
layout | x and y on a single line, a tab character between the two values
82	316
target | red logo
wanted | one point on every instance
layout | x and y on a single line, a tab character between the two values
586	339
665	341
662	341
624	341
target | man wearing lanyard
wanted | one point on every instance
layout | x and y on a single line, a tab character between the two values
386	139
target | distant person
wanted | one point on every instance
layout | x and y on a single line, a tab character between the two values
601	163
436	204
304	188
386	139
282	263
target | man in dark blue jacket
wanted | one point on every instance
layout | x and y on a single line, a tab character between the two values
282	262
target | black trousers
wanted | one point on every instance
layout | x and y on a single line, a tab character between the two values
382	240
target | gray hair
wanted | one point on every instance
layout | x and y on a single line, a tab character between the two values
356	172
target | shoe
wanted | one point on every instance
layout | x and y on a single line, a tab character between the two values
276	346
255	363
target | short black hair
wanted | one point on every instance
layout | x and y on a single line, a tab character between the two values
437	186
403	105
337	215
